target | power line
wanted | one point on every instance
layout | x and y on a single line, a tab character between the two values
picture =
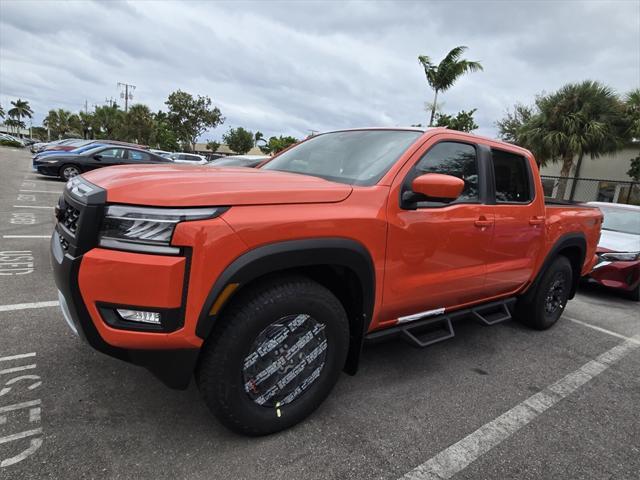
127	95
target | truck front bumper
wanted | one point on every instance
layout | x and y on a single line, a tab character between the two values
153	350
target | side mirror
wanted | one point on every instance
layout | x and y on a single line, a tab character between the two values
434	186
97	156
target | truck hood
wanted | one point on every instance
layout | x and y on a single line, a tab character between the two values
192	186
619	241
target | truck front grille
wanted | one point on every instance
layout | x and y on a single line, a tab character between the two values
69	218
79	220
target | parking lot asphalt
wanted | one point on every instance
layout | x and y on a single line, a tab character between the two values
493	402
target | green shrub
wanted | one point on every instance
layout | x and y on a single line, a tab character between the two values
10	143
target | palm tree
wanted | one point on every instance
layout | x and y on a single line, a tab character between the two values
580	119
60	122
85	123
632	102
138	124
441	77
20	109
51	122
107	118
15	125
258	137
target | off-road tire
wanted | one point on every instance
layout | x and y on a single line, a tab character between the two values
65	172
541	308
222	364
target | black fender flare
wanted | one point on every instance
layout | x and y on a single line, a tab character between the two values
569	240
289	254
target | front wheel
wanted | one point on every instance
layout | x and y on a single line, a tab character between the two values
542	308
67	172
274	356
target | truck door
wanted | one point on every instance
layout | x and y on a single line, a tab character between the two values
519	223
436	253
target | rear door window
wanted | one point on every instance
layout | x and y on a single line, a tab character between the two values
113	153
139	156
512	177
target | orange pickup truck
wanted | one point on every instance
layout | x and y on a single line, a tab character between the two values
266	283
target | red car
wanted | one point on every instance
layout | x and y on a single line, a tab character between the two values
66	145
619	249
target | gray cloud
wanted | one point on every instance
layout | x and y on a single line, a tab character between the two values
289	67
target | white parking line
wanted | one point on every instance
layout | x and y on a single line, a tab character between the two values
26	236
20	406
42	191
25	306
600	329
18	436
460	455
18	369
18	357
29	206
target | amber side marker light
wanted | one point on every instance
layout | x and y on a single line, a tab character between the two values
224	295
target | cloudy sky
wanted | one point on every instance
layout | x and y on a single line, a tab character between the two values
292	67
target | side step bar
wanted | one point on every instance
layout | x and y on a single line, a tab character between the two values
423	332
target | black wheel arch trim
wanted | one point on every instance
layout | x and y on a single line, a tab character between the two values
569	240
281	256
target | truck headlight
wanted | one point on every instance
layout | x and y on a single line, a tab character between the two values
78	187
620	256
147	229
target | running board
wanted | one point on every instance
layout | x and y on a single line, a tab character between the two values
493	313
425	331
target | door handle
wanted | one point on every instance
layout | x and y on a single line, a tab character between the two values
482	222
536	220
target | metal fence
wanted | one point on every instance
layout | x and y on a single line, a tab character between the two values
591	190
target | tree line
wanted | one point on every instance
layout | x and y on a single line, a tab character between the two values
186	118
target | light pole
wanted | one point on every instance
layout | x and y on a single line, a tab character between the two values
126	94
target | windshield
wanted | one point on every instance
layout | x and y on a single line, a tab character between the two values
356	157
621	220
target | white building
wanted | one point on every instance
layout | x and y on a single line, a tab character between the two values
602	179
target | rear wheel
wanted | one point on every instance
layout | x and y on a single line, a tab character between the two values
274	356
67	172
543	307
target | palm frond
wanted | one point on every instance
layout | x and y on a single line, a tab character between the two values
453	55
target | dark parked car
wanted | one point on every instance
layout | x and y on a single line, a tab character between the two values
67	166
75	151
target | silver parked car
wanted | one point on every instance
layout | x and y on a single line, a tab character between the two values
190	158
